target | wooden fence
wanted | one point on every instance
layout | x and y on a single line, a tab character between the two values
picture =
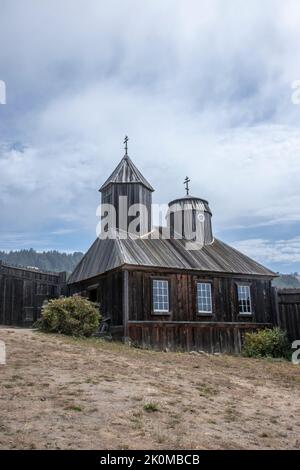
287	308
23	291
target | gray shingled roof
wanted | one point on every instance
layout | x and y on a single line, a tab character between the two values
126	172
218	257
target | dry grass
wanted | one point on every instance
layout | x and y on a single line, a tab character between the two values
57	392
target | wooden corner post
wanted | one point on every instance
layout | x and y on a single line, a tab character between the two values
125	306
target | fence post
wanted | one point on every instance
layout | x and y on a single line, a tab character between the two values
276	306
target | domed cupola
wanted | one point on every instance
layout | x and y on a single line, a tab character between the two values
189	218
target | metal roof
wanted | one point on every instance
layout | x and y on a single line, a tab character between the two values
33	269
188	198
189	203
218	257
126	172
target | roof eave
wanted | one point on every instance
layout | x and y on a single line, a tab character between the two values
144	267
107	184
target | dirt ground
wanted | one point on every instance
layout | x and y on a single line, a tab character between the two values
62	393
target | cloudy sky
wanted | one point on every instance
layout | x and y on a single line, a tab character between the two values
202	87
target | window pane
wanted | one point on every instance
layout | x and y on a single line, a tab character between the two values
244	298
204	297
160	295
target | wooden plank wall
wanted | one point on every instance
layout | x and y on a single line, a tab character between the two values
23	291
135	193
288	311
184	329
107	290
186	336
183	297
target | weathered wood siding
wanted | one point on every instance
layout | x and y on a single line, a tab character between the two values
183	328
192	336
183	297
135	193
288	311
23	291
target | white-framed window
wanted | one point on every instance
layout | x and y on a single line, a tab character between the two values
244	298
204	300
160	289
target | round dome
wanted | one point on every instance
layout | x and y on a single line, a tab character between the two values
189	203
189	218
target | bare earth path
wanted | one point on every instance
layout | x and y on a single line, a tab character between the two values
56	392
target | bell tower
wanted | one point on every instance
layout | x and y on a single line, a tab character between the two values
131	196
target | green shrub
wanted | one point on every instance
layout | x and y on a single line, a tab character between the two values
75	316
267	343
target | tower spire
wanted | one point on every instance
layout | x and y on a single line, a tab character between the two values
186	182
126	145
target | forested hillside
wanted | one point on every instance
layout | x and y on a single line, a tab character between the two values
287	281
48	260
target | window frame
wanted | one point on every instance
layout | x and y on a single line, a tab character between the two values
159	311
248	287
205	313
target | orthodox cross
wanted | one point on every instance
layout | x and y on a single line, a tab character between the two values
126	146
186	182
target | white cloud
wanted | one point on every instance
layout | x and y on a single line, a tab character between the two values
270	251
201	88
